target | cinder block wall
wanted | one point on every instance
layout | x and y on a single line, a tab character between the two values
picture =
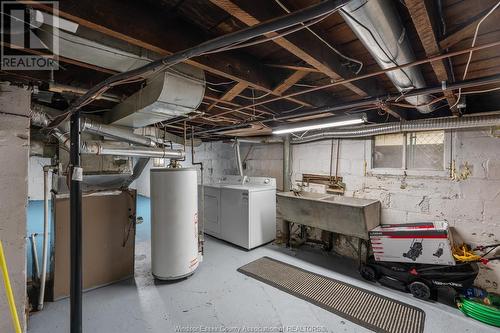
471	206
14	147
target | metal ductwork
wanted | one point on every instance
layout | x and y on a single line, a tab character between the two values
40	118
446	123
101	148
115	132
378	26
172	93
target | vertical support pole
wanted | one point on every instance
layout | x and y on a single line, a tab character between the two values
75	225
286	164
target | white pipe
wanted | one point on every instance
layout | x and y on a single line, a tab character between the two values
45	252
237	154
35	255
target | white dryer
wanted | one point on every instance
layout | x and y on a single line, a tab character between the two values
241	211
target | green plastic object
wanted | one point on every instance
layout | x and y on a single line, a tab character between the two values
488	314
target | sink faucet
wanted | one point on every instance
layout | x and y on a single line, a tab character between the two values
298	191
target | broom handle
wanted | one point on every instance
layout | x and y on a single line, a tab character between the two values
8	291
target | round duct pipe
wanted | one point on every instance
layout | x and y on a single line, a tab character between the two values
446	123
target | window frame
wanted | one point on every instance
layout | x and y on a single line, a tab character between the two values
369	148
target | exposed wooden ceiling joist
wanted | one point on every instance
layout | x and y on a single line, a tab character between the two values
310	50
230	94
152	32
289	81
421	18
459	35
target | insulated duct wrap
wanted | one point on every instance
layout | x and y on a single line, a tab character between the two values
447	123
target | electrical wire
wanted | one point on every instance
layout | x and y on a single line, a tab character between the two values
254	98
470	53
405	105
359	62
480	91
292	29
379	46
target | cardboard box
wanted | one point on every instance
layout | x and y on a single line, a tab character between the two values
422	243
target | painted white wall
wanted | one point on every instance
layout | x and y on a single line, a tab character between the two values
35	177
217	157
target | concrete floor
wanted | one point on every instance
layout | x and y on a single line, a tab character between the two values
219	299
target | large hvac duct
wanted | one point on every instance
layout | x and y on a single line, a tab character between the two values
446	123
378	26
175	92
40	118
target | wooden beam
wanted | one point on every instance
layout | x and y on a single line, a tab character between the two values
300	44
289	82
230	94
392	112
151	31
419	13
295	68
464	32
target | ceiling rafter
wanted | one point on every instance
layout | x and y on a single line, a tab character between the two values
421	18
230	94
288	82
309	50
93	15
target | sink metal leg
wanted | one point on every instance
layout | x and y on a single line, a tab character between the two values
285	232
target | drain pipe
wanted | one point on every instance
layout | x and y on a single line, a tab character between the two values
35	255
285	225
287	186
45	253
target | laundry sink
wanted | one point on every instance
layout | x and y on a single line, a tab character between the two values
344	215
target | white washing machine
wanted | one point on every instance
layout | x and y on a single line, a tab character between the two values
241	211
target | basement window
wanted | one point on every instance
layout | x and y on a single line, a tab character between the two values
409	151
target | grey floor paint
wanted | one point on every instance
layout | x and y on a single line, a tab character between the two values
219	299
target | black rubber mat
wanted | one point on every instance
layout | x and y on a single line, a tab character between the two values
360	306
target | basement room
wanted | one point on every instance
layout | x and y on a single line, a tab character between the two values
250	166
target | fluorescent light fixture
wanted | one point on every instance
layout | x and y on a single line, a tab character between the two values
320	124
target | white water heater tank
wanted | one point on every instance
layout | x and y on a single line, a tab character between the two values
174	222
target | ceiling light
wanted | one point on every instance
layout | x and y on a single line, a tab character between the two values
320	124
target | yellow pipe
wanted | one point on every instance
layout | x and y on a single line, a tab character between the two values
8	291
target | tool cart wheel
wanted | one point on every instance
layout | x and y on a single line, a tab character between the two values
368	272
420	290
